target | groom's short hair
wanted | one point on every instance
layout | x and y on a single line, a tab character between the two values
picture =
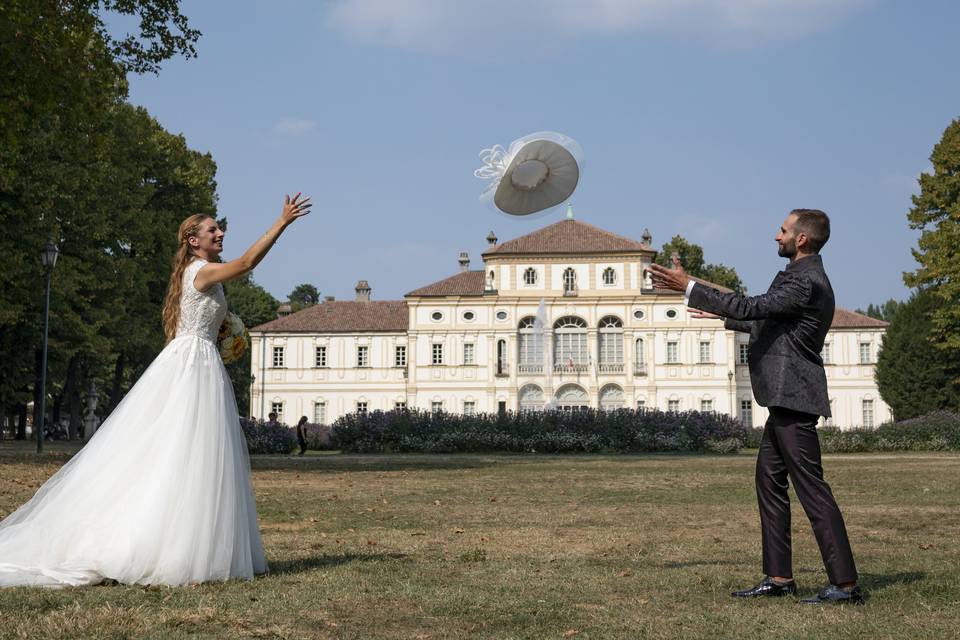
815	225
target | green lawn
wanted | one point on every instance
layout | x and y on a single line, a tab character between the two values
500	546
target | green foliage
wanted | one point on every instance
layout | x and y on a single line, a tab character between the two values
303	296
935	431
936	212
691	258
255	306
621	431
883	311
913	376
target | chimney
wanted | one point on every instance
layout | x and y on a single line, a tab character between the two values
647	238
328	298
464	261
284	310
491	240
363	291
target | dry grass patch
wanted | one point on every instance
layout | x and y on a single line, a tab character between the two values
508	546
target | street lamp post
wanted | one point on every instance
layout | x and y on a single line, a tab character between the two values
49	258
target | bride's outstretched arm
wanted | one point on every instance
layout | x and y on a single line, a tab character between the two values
215	272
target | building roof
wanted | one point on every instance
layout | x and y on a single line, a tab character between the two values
466	283
387	316
566	237
845	319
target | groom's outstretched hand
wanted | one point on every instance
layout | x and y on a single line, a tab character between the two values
674	279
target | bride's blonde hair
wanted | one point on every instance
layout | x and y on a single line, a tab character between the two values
171	303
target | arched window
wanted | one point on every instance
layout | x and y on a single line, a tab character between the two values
531	398
572	397
610	345
501	357
570	351
530	276
569	280
609	276
639	357
611	398
530	346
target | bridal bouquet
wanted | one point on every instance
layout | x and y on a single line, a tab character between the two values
232	339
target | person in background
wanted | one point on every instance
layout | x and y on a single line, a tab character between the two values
302	434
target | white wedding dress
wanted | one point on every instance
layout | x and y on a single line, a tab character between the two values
161	494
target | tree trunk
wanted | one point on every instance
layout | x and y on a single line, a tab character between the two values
117	383
37	375
71	393
22	422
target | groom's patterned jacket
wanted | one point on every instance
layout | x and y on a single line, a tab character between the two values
787	327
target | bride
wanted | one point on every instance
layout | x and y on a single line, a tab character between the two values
161	494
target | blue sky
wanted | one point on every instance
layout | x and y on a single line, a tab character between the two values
705	118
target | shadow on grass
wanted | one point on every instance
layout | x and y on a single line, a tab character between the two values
879	581
301	565
370	462
701	563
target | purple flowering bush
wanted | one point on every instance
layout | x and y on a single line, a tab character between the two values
262	438
590	430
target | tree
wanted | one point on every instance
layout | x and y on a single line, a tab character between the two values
255	306
884	311
936	212
303	296
691	257
913	376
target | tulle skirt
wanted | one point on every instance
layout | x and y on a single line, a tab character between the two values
160	495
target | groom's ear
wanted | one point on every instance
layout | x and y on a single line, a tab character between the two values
803	241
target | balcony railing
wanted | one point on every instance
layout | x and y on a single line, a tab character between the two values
531	368
569	292
571	368
639	369
611	367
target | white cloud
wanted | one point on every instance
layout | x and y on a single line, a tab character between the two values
294	126
491	27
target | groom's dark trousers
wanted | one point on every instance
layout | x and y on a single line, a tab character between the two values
790	449
787	327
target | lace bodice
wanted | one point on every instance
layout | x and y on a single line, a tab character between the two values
201	313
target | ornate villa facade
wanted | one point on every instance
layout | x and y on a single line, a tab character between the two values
563	315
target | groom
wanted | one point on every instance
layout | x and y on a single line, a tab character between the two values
787	327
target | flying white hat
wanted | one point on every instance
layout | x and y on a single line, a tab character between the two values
537	172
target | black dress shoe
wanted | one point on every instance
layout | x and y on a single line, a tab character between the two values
767	588
835	595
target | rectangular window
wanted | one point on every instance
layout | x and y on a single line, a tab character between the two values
277	357
469	408
399	406
277	408
826	353
363	358
868	413
320	357
641	405
361	407
319	413
673	406
706	406
611	347
400	356
468	354
672	353
436	407
706	353
743	351
437	356
865	353
746	412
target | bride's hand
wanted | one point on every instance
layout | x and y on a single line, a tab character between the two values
294	208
